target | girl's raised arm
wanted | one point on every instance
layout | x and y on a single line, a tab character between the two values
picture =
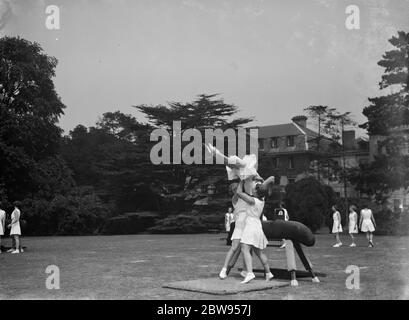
244	196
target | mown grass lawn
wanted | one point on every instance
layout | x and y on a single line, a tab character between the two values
136	267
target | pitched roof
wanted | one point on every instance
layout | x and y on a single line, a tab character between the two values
279	130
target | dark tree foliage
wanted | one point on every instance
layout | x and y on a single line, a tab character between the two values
178	181
204	112
113	157
387	116
391	110
29	112
31	168
309	202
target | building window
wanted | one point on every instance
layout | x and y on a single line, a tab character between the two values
274	143
261	144
275	162
291	180
290	141
291	163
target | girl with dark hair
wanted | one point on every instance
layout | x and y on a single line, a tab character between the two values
15	229
336	226
367	224
352	224
253	237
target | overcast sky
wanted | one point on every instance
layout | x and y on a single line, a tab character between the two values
270	58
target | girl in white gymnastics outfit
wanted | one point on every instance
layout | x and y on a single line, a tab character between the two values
15	230
336	226
367	224
243	169
352	224
228	219
240	214
253	237
2	224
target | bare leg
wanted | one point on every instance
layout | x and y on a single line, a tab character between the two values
263	258
249	263
245	249
234	249
352	238
232	262
17	239
371	239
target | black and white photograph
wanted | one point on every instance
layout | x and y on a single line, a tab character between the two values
192	150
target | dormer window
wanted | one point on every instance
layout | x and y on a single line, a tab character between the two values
274	143
290	141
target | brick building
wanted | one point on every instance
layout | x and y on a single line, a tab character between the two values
290	151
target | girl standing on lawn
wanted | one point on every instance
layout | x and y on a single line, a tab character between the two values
240	214
352	224
2	224
336	226
15	230
367	224
253	237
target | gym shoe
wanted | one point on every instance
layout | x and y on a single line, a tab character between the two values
10	250
243	273
371	244
294	283
21	250
352	245
269	276
250	276
223	274
315	280
15	251
282	246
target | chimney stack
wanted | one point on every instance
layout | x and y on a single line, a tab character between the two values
348	139
300	120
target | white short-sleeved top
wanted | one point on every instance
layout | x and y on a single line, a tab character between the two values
366	214
255	211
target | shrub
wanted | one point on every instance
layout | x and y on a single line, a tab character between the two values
77	213
181	223
309	202
130	223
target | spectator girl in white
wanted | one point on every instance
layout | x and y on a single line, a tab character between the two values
352	224
228	219
2	224
336	226
367	224
15	230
